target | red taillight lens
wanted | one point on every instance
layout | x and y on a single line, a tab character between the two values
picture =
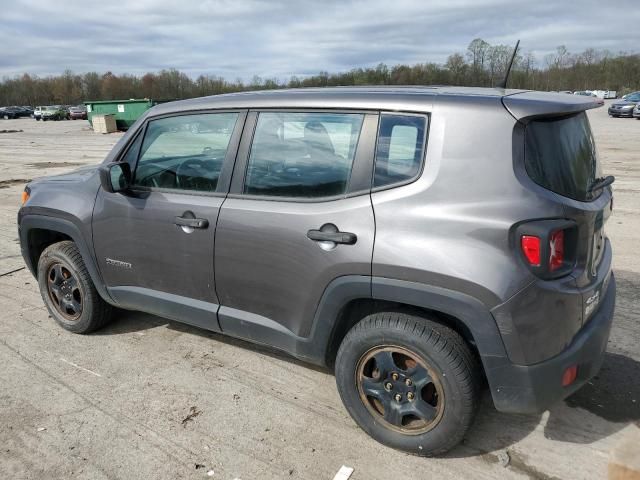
531	249
556	249
569	376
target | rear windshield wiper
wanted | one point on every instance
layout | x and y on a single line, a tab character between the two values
601	182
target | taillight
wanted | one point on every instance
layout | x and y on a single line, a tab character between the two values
556	250
531	249
548	247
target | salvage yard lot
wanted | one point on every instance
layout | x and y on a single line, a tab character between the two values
147	398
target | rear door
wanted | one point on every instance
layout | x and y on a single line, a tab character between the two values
155	243
298	216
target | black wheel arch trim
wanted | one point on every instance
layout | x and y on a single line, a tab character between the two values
28	222
473	314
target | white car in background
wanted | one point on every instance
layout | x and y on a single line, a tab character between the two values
605	94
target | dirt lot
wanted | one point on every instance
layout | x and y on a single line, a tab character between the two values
117	404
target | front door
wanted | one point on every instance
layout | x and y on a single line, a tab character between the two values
155	244
298	216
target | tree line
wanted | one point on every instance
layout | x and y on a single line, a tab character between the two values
482	64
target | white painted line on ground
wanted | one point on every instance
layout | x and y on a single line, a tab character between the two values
344	473
80	368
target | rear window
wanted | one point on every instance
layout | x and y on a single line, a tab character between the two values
560	155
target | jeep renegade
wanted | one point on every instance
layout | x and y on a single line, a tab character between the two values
418	241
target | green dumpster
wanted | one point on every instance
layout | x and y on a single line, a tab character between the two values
125	111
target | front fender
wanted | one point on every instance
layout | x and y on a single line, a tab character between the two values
29	221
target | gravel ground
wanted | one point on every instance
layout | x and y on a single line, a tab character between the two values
147	398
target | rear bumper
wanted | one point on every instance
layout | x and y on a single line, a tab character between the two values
533	388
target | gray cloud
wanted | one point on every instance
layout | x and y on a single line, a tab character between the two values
242	38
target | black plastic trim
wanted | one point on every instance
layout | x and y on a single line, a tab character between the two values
30	221
174	307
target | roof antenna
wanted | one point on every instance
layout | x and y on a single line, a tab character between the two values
503	84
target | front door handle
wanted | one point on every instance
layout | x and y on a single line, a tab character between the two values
192	222
346	238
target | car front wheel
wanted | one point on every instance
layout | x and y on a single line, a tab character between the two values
409	382
68	291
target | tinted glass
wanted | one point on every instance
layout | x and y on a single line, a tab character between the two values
560	155
302	154
132	152
185	152
400	149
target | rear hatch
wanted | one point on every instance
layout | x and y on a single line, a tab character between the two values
560	156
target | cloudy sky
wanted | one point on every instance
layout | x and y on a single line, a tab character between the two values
242	38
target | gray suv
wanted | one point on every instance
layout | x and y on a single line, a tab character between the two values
418	241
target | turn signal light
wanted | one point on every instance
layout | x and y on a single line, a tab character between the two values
25	197
569	375
531	249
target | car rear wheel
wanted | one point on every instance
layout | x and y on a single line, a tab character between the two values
409	382
67	290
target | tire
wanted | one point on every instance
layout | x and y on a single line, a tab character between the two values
61	266
448	394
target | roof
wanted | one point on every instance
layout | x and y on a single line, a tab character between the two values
412	98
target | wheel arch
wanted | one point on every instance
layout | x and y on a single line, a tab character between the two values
37	232
347	300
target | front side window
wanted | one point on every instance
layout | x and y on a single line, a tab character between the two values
400	150
185	152
303	155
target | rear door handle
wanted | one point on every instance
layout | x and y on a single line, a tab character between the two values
192	222
346	238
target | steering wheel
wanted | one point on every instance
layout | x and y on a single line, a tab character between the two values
194	174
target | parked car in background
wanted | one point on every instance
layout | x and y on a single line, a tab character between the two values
27	110
624	108
587	93
53	112
65	111
78	113
7	113
636	111
605	94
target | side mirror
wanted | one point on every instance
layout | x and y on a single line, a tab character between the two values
115	177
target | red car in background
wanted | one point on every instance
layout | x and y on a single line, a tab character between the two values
79	112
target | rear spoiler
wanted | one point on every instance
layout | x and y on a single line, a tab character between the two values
524	106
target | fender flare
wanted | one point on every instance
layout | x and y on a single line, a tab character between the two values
471	312
29	222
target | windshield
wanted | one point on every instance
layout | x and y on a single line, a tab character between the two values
633	98
560	155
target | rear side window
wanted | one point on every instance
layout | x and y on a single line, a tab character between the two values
401	140
560	155
303	155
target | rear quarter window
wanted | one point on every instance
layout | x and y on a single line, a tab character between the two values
400	149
